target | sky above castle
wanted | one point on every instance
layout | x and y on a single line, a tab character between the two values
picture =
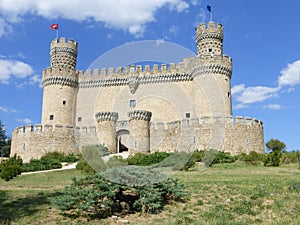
262	37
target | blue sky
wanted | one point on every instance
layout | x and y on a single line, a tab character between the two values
262	37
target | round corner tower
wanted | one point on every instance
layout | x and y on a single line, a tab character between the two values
214	66
139	125
60	83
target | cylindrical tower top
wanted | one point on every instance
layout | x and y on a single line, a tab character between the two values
139	115
209	39
63	54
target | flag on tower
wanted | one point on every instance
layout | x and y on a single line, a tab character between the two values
208	8
54	26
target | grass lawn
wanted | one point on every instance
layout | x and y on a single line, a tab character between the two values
222	194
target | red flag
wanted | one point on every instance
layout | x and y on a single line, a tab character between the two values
54	26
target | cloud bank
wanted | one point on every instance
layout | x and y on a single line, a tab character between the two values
289	77
13	68
129	15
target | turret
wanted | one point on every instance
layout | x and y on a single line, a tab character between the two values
209	39
60	83
139	125
212	70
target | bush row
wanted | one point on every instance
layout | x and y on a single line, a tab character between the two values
14	166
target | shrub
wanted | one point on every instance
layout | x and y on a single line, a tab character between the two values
253	157
290	157
195	157
96	197
141	159
85	167
11	168
41	164
60	157
273	158
224	157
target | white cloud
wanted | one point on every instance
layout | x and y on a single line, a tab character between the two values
6	109
290	75
10	68
200	18
248	95
237	89
24	120
173	29
273	107
35	79
257	94
240	106
5	27
130	15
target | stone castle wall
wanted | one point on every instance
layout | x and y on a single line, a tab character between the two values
31	142
234	135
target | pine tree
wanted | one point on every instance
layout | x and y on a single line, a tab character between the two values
4	141
2	135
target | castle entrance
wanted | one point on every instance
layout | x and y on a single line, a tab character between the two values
122	140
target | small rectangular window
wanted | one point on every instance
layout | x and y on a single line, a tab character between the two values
64	102
187	115
51	117
79	119
132	103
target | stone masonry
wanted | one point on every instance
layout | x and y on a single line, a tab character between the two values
181	107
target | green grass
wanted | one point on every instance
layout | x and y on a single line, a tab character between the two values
231	194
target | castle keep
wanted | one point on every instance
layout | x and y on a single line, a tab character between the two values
183	107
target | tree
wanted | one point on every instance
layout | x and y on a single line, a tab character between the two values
4	142
276	147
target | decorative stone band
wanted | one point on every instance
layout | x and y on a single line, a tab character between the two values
146	79
63	81
65	50
139	115
203	36
106	116
164	78
212	69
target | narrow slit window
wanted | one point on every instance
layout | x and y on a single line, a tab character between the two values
79	119
187	115
64	102
51	117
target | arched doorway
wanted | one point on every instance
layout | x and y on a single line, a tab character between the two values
122	140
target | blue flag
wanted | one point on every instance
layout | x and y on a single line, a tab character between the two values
209	8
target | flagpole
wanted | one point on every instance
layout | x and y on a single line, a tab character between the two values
56	33
211	16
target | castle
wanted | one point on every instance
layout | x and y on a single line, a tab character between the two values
183	107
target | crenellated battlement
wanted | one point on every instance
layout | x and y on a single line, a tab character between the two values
213	30
39	128
184	71
63	54
209	39
70	43
60	76
138	74
132	69
198	122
